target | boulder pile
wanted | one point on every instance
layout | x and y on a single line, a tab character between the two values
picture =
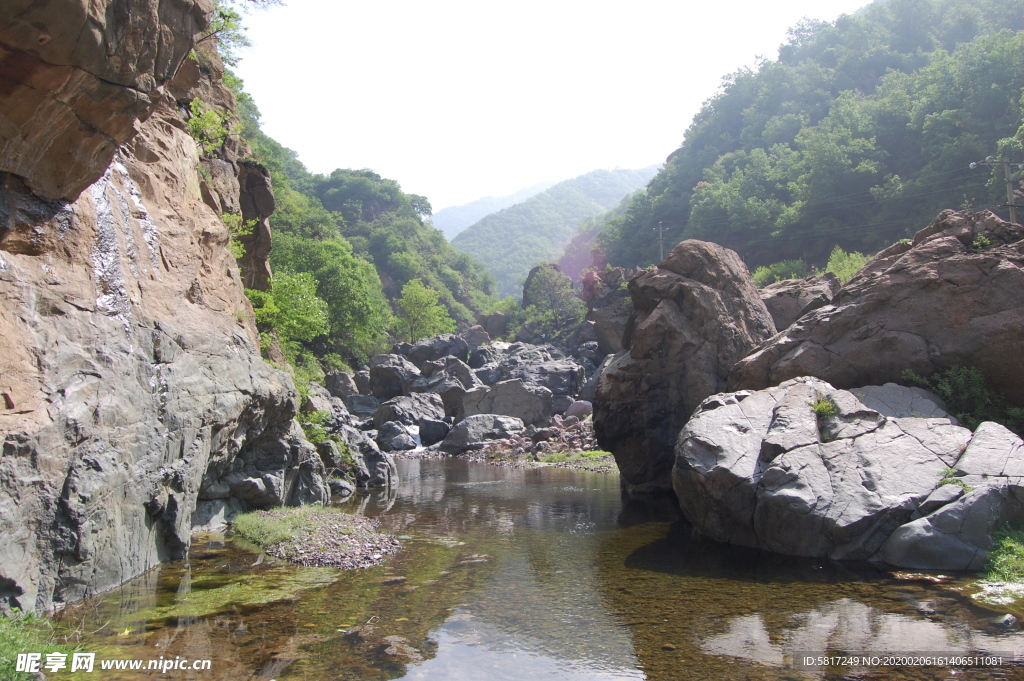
452	394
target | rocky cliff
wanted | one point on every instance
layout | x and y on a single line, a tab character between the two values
134	400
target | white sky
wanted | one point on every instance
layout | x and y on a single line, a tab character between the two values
457	100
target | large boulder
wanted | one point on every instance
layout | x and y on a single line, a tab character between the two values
530	403
762	469
389	374
374	468
341	384
410	409
561	377
789	299
925	306
693	317
474	432
433	348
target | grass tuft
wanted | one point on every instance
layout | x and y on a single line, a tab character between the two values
23	633
267	528
1006	559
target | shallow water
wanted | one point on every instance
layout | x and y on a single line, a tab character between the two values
526	574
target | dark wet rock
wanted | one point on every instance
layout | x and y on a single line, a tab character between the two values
341	487
432	432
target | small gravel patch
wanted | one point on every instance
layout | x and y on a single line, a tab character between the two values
328	538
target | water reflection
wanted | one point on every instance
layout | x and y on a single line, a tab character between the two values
521	574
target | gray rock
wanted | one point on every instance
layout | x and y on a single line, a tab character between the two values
489	374
760	469
560	403
432	432
341	487
561	377
410	409
581	409
531	404
362	379
434	348
473	431
374	468
341	384
389	374
362	406
789	299
475	336
394	436
900	401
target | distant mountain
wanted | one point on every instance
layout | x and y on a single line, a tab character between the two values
451	221
510	242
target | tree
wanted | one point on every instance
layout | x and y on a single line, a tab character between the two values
291	309
420	315
553	311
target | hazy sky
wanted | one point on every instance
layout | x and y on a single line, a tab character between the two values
459	100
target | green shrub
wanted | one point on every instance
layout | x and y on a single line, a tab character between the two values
780	271
1006	559
207	126
968	397
824	408
845	265
237	229
949	477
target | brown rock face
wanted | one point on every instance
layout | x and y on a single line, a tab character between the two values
693	317
135	405
609	306
923	306
75	76
789	299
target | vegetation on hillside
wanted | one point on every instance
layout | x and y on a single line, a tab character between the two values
856	135
360	239
452	220
510	242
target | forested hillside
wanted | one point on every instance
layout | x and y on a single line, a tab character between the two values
451	221
362	239
857	134
515	239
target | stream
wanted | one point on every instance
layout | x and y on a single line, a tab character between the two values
535	574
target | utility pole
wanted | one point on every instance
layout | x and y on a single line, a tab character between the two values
990	161
661	241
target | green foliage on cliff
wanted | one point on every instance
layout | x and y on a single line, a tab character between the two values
362	239
844	265
513	240
858	134
968	397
